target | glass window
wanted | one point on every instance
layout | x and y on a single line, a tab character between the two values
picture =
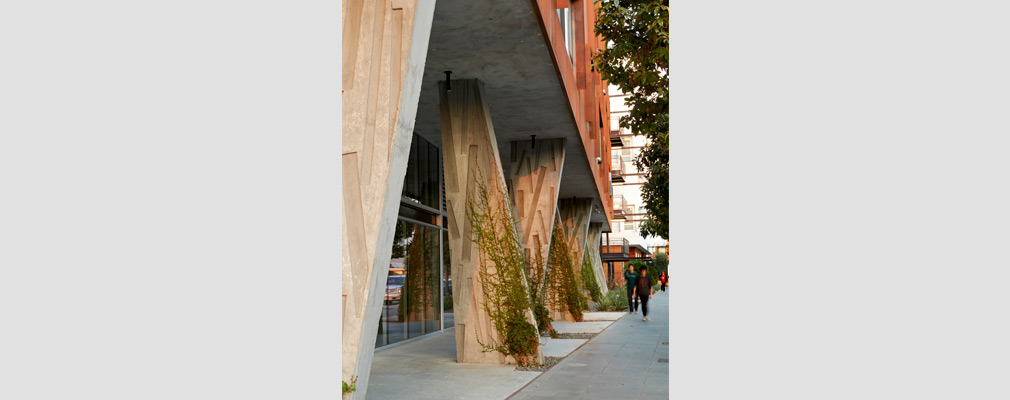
416	282
447	315
410	304
421	182
568	34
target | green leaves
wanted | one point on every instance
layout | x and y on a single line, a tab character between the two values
564	290
348	388
589	279
502	275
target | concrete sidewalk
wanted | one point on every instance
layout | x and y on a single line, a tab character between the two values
427	369
622	362
619	363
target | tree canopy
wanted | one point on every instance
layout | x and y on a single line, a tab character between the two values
636	60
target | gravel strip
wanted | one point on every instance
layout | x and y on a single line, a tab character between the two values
548	363
576	335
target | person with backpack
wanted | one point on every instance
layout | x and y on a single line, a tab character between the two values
643	290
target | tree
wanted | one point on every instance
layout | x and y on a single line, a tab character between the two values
636	60
662	262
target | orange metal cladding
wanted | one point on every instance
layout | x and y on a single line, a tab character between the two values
582	84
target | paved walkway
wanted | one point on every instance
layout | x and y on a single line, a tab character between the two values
622	362
427	369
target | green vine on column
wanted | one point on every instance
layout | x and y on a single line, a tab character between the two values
539	274
502	276
589	278
564	291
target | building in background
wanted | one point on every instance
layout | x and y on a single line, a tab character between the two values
625	244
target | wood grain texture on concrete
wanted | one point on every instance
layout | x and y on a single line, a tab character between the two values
534	177
575	214
384	45
593	249
558	310
471	158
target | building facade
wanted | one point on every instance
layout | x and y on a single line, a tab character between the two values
625	244
442	98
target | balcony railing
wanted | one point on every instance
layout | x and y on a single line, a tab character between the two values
615	247
619	206
620	138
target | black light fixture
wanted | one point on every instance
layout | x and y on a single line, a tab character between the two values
448	84
533	141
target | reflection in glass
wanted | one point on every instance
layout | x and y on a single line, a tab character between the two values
421	182
447	316
410	306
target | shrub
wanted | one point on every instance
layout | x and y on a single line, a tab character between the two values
615	300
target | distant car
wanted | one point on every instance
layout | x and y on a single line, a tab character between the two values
394	288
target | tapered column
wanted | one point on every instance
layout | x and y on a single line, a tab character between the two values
470	155
534	177
575	215
593	250
384	48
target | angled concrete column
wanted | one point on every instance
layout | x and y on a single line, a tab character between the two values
593	249
575	214
558	312
534	177
384	47
470	152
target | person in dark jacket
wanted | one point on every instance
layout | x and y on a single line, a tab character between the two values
643	290
629	278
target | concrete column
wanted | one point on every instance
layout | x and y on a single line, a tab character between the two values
534	177
559	312
575	214
470	152
593	249
384	47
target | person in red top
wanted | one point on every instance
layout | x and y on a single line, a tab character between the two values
663	277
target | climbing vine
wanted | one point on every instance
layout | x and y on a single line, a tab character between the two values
563	286
589	278
538	290
348	388
502	276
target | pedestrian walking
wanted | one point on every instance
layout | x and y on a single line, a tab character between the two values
663	277
630	277
643	290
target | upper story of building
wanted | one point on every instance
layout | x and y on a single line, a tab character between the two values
626	178
534	58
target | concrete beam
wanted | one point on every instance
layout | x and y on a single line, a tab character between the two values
384	49
534	179
470	152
